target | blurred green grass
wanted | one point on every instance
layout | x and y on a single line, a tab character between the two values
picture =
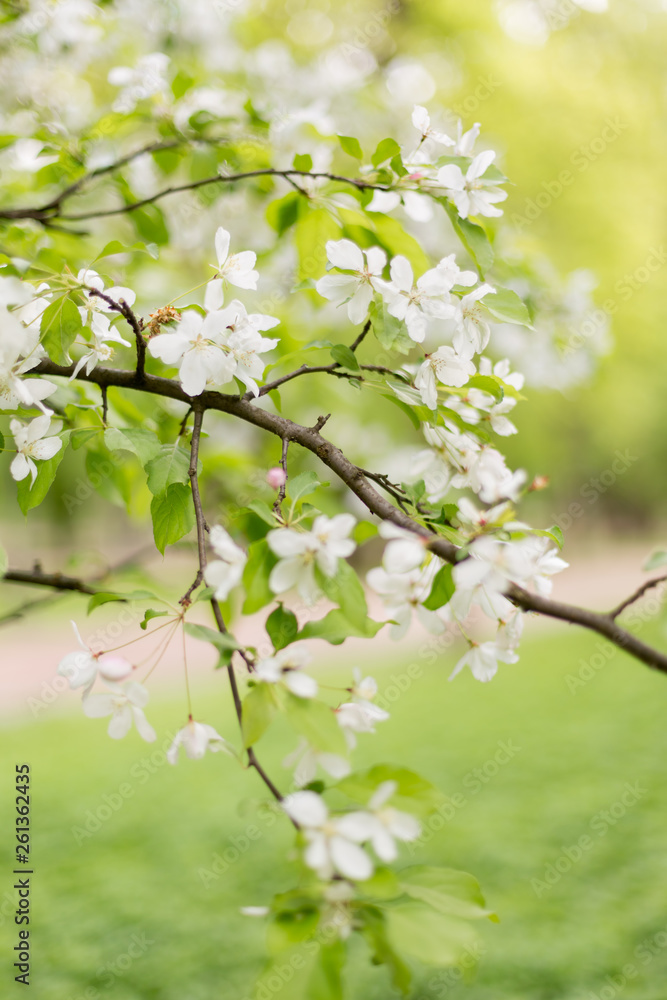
141	872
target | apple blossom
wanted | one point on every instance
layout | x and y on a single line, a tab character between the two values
418	303
236	268
381	824
357	288
225	572
422	122
329	848
31	445
195	346
305	760
446	366
300	551
196	738
471	194
124	703
482	659
403	594
285	667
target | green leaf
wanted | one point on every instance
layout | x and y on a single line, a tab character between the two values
374	930
261	561
487	383
390	332
385	150
282	213
317	723
170	466
447	890
435	939
303	485
396	240
472	236
313	228
282	627
303	161
383	884
345	589
336	627
342	355
315	972
150	224
556	533
290	927
31	496
108	597
149	615
406	408
351	146
173	515
59	326
259	708
655	561
363	531
141	441
413	793
442	590
507	306
263	511
115	246
223	641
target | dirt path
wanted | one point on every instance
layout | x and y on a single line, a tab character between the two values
31	648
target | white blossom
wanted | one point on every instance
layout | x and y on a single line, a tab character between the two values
32	444
331	848
482	659
445	366
381	824
471	194
20	351
357	288
146	79
241	338
427	299
196	738
125	704
353	718
82	666
422	122
195	347
225	572
286	667
236	268
301	551
305	760
403	594
100	351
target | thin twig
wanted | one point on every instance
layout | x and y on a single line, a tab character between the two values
136	325
635	597
215	606
277	503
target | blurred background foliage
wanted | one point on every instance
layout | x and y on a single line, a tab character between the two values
555	87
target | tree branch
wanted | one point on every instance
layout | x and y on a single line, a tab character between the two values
135	325
47	213
36	578
354	478
636	595
217	613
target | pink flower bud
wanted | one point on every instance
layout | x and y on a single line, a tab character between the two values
113	667
276	477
